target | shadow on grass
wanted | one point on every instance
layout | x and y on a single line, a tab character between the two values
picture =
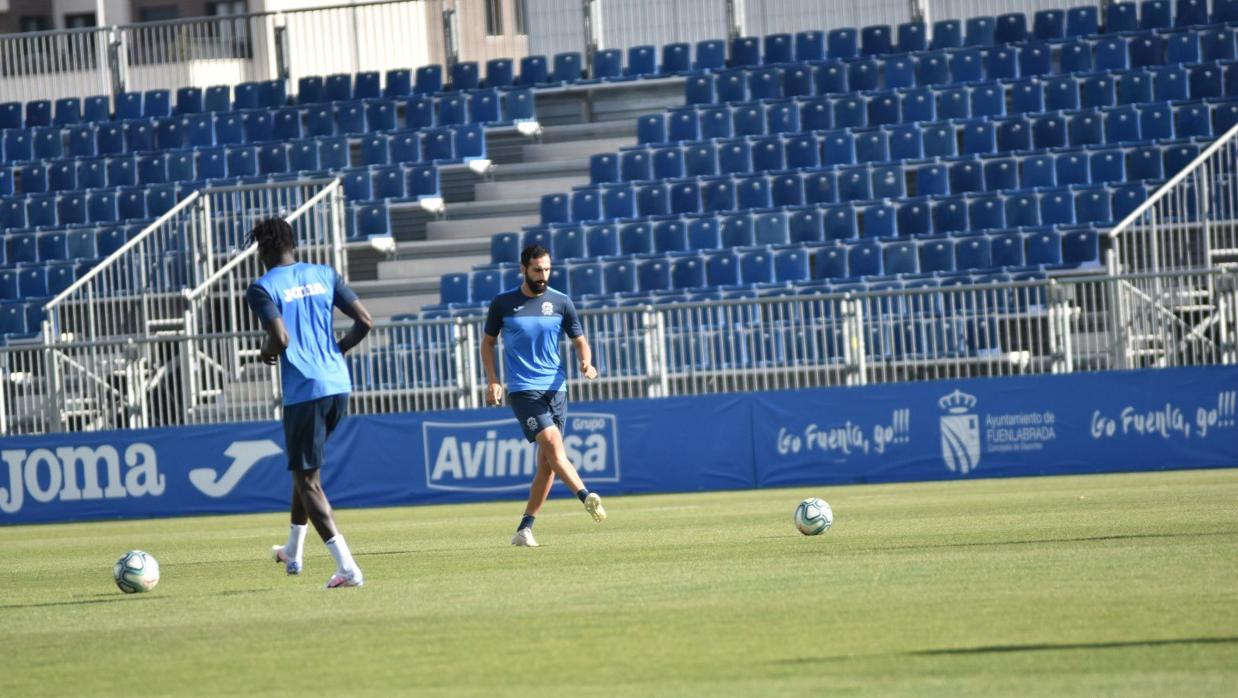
1011	649
118	597
1032	541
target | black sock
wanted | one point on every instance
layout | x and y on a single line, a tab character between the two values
582	494
525	522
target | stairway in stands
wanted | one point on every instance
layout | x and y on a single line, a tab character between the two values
576	122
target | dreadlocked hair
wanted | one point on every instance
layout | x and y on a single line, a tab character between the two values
273	236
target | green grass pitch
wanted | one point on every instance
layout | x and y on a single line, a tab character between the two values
1101	585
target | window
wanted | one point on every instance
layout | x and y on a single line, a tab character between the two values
35	23
494	17
521	8
158	13
84	20
227	8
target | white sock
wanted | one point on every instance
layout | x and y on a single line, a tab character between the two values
296	541
343	557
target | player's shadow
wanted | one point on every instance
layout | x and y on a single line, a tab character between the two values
1012	649
1039	541
107	598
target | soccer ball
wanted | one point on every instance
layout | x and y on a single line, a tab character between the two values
136	572
813	517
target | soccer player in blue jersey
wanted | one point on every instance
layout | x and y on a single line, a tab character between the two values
295	301
532	318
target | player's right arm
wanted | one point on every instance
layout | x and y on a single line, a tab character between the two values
490	342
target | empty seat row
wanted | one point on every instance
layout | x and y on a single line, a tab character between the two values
778	264
929	70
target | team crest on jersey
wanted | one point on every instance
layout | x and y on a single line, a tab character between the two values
548	308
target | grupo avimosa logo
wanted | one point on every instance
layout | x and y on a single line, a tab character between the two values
960	432
494	456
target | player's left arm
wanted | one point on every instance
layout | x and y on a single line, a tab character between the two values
346	300
576	332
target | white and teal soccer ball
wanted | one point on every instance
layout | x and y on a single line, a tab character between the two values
813	517
135	572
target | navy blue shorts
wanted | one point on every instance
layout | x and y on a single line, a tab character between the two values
538	409
307	426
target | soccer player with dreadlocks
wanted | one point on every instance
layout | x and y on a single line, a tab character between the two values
294	300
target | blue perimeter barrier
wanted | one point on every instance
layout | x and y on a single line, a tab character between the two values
941	430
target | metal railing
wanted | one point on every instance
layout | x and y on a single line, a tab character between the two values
139	290
1036	326
55	64
222	50
1191	222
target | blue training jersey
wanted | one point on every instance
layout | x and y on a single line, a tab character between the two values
303	295
531	328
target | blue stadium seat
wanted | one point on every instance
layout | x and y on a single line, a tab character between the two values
710	55
1038	171
182	166
1043	247
604	168
1145	50
419	112
1035	58
46	143
810	46
40	212
842	43
242	161
986	212
721	268
152	168
1076	57
372	219
1056	207
607	64
303	156
787	189
904	141
1191	120
756	266
820	188
1099	91
380	115
871	146
864	259
864	74
428	79
1001	174
1224	10
1205	81
932	179
333	153
653	200
715	122
767	154
423	181
745	51
1107	165
1001	62
898	71
1169	83
534	70
1013	134
748	120
504	247
122	172
636	165
101	207
1216	44
568	67
437	144
68	112
988	100
310	90
388	182
139	136
398	83
717	194
92	174
1156	122
1182	47
337	88
701	159
1092	205
981	31
979	137
840	222
1010	28
33	178
1126	199
1086	128
1110	53
1177	157
676	60
973	252
1134	87
128	106
699	89
71	208
876	40
1155	14
555	209
888	182
1049	131
350	118
358	184
642	61
1071	168
966	175
952	103
465	75
782	117
670	235
618	203
831	77
1061	93
967	66
947	33
636	238
854	184
1022	209
703	233
1121	16
949	214
1026	97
